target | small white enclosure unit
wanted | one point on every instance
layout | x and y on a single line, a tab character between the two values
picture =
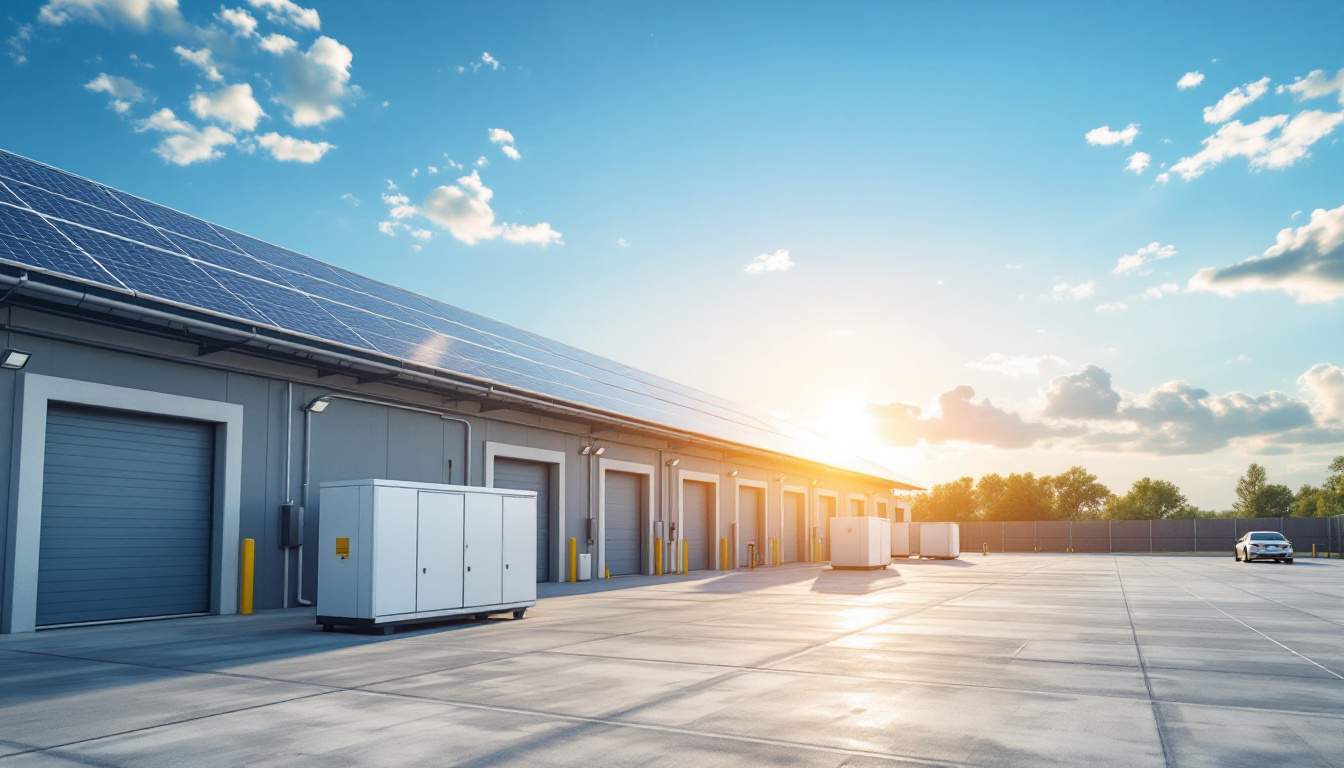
900	539
860	542
394	552
941	541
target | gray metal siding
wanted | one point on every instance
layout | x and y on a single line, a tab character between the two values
696	509
622	523
126	517
531	476
793	537
748	525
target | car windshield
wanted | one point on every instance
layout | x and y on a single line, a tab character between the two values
1266	537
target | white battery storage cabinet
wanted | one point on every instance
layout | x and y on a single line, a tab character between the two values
394	552
940	541
860	542
900	539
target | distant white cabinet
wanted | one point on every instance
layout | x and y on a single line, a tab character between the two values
900	539
941	541
860	542
395	552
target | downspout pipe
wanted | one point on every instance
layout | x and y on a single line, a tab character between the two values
303	495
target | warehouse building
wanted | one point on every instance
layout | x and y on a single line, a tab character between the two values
174	386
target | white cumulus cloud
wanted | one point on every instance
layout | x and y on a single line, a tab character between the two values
1235	100
141	14
463	209
1190	80
1073	291
243	23
232	105
506	143
294	150
1139	262
1106	136
1307	263
1138	163
289	12
316	82
1272	142
1316	85
185	143
779	261
123	92
277	44
202	59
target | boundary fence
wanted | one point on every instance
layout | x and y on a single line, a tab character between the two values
1192	535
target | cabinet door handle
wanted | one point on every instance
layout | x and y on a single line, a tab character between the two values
468	567
424	570
506	566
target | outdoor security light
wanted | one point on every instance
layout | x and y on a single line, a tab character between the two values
673	462
585	450
601	449
733	473
14	359
318	405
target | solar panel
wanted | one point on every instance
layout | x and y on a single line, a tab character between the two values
97	235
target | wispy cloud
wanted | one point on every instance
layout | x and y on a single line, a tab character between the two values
779	261
1190	80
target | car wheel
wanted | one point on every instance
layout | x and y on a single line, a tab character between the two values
1289	561
1236	555
1247	558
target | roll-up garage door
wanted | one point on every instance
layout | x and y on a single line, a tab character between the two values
531	476
127	517
696	508
793	538
827	513
749	525
622	529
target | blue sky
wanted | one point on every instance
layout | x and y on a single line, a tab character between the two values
924	169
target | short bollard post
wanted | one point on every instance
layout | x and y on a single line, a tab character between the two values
573	560
723	553
658	557
985	546
1313	551
751	555
685	558
247	577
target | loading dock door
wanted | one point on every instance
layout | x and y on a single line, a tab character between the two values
793	539
127	504
623	539
696	508
531	476
749	525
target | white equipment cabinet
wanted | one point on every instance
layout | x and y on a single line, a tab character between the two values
860	542
393	552
900	539
940	541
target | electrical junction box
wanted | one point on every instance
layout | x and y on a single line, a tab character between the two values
393	552
860	542
291	525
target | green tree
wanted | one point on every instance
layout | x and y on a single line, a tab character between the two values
1023	496
1147	499
947	502
1257	497
988	489
1078	495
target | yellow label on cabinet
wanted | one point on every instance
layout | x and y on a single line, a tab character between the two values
343	547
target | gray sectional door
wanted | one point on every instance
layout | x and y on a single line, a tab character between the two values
748	525
793	538
127	505
622	523
696	508
531	476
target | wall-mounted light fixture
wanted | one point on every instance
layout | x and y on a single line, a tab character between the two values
317	404
13	359
585	450
814	483
601	449
733	473
673	462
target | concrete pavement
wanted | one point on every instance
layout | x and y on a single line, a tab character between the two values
1006	660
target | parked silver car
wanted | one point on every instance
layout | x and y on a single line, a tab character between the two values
1263	545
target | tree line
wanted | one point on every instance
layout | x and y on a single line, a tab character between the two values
1076	494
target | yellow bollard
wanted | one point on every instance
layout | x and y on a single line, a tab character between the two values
723	554
751	555
606	573
248	576
1313	550
658	557
685	558
774	549
573	560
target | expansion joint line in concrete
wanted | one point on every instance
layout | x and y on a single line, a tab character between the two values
1158	720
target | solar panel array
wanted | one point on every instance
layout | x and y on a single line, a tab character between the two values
58	223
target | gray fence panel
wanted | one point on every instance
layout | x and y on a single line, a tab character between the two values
974	537
1173	535
1091	536
1052	536
1215	535
1019	536
1131	536
1305	532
